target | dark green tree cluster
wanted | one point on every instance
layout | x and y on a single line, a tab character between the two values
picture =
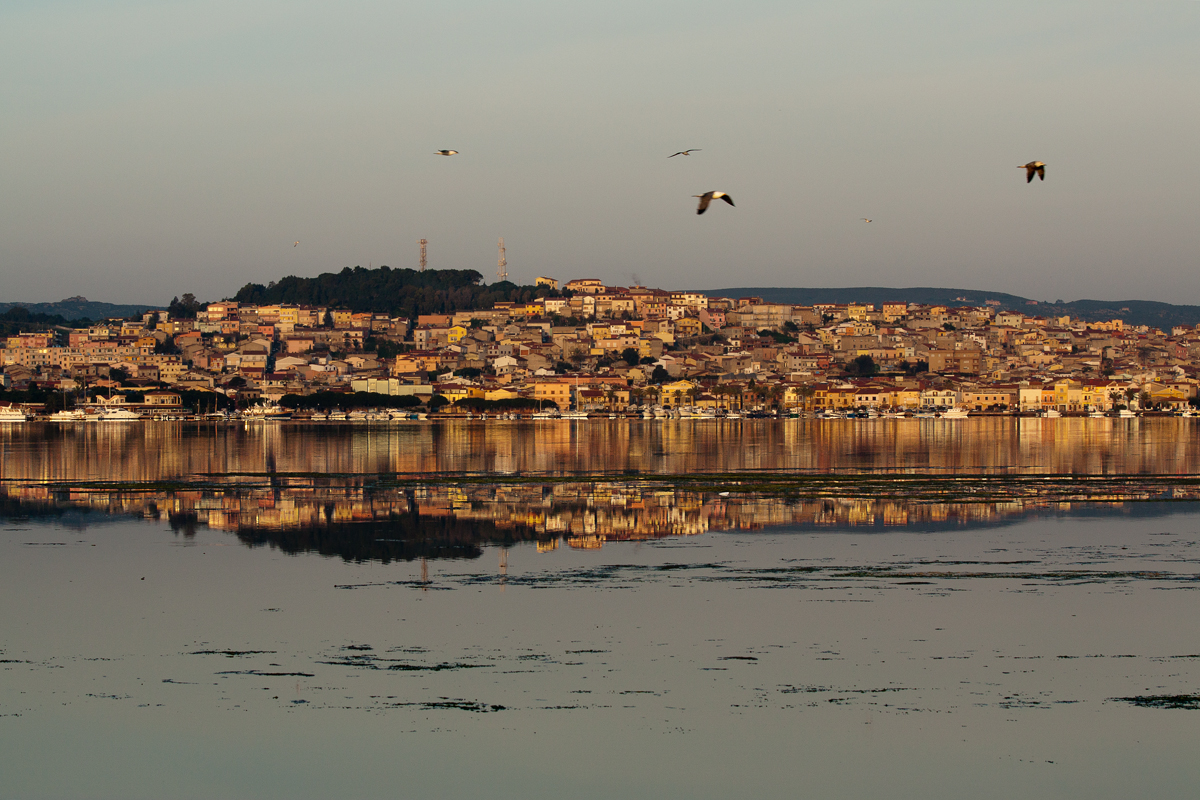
503	404
396	292
864	366
185	307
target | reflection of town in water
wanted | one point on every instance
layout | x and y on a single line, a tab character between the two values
161	451
354	521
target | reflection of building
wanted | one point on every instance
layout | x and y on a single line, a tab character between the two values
351	519
987	445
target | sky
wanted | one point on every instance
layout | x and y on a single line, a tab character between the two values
149	149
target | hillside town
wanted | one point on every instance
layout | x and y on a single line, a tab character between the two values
589	348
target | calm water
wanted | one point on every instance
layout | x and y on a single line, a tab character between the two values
155	451
273	635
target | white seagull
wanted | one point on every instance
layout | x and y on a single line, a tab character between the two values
864	219
685	152
1032	168
446	153
708	197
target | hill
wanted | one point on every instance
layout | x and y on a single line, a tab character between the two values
397	292
1133	312
74	308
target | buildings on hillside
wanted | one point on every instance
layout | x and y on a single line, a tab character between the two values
601	347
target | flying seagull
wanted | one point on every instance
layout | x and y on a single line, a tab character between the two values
685	152
297	243
446	153
1031	168
864	219
708	197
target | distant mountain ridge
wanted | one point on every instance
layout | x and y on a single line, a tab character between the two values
1133	312
82	308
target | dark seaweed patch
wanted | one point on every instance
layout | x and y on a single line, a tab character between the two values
1189	702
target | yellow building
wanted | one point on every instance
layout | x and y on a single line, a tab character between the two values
553	391
676	393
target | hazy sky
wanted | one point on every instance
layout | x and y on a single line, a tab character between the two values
153	148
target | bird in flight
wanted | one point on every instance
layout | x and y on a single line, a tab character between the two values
446	153
685	152
708	197
1032	168
297	243
864	219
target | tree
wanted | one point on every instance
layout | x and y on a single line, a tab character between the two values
660	375
630	356
183	307
864	365
397	292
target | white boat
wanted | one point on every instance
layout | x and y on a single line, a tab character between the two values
265	411
74	415
1051	413
119	415
955	413
1125	412
13	414
574	415
337	416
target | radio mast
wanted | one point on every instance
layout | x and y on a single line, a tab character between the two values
423	242
502	263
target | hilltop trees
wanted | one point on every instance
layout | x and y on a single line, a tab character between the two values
396	292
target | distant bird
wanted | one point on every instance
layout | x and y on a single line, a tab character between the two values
297	243
864	219
708	197
685	152
1031	168
446	153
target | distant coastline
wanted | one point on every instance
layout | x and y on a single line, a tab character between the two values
1133	312
82	308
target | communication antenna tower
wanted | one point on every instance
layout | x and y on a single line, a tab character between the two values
502	263
423	242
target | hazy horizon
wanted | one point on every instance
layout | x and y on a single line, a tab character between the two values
168	148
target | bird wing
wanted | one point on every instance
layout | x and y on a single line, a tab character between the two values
727	199
1042	172
676	154
705	199
1029	171
693	150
